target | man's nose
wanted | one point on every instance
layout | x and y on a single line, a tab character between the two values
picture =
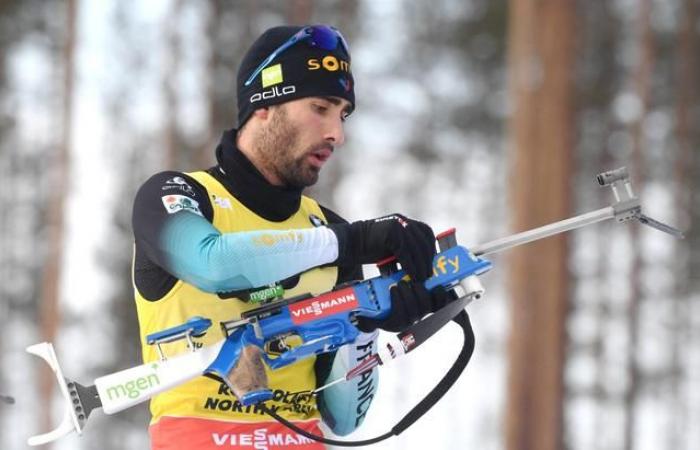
336	133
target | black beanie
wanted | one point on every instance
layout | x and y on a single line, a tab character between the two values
299	71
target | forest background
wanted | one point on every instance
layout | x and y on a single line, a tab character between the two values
491	116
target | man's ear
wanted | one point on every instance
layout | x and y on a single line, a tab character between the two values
262	113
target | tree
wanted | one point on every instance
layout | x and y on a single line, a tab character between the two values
686	174
641	84
541	57
49	308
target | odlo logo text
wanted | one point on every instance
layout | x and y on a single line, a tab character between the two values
272	93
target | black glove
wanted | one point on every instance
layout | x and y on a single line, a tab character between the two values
410	302
368	241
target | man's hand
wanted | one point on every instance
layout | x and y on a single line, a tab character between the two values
368	241
410	302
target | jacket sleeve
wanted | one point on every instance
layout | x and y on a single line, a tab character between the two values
344	406
172	226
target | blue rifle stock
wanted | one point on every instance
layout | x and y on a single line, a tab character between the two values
323	323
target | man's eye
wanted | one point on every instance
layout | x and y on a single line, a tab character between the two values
320	108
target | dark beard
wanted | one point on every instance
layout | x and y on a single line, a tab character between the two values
276	146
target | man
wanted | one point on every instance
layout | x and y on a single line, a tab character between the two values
209	243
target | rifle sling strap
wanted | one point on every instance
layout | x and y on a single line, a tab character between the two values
461	319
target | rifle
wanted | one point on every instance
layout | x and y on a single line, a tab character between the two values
323	323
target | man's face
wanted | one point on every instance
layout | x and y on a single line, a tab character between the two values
299	137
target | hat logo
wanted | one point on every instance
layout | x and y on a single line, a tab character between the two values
346	83
329	63
272	75
272	93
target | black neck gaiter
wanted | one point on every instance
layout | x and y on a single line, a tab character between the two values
249	186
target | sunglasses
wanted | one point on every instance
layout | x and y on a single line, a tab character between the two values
322	36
